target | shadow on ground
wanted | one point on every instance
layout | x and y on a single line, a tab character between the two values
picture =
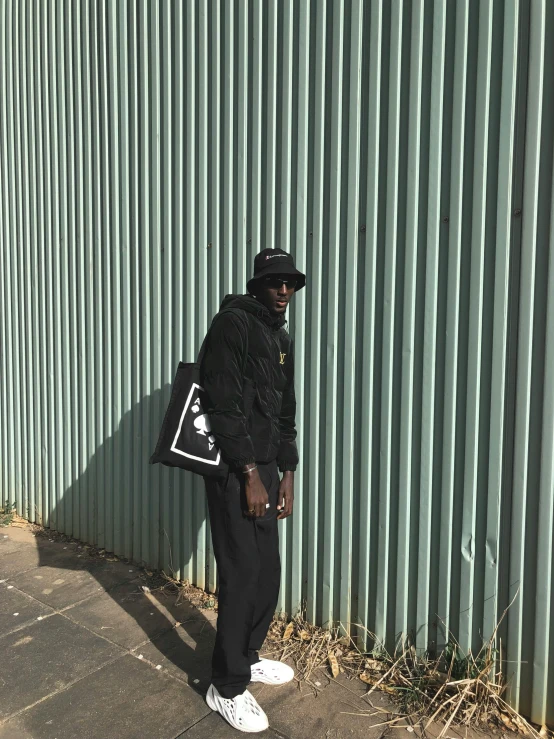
95	638
96	508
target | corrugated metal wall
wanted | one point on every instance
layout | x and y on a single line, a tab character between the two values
403	151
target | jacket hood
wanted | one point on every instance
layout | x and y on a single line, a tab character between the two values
251	305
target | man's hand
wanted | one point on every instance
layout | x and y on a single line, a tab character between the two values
285	498
256	494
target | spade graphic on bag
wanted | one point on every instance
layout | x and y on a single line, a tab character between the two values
195	423
202	423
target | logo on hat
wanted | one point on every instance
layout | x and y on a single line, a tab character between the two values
272	256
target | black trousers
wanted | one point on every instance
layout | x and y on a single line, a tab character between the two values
249	567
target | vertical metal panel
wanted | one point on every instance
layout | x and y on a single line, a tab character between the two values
430	318
404	154
522	517
366	338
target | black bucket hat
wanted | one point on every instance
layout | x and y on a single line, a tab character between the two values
274	262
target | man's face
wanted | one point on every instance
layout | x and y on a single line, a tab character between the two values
275	292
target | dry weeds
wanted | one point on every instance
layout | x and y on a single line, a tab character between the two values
8	515
453	689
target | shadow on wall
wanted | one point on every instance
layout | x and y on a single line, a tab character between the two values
121	503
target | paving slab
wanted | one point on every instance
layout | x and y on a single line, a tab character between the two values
108	574
127	615
57	587
45	657
24	551
126	699
186	655
61	587
18	609
13	539
214	727
184	652
25	559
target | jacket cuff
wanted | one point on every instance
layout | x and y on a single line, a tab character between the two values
285	466
243	461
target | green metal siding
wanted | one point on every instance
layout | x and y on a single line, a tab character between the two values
403	151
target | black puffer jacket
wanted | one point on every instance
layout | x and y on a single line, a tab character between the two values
247	371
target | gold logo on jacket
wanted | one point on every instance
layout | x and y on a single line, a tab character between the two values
282	360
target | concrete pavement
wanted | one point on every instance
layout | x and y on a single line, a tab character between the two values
85	652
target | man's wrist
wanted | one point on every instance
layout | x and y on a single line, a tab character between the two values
250	472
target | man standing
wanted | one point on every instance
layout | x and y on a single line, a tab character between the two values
247	371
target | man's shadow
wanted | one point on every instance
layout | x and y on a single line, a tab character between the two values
180	632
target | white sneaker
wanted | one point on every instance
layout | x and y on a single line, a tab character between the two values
242	712
270	672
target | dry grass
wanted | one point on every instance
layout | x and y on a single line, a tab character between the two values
452	689
183	590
